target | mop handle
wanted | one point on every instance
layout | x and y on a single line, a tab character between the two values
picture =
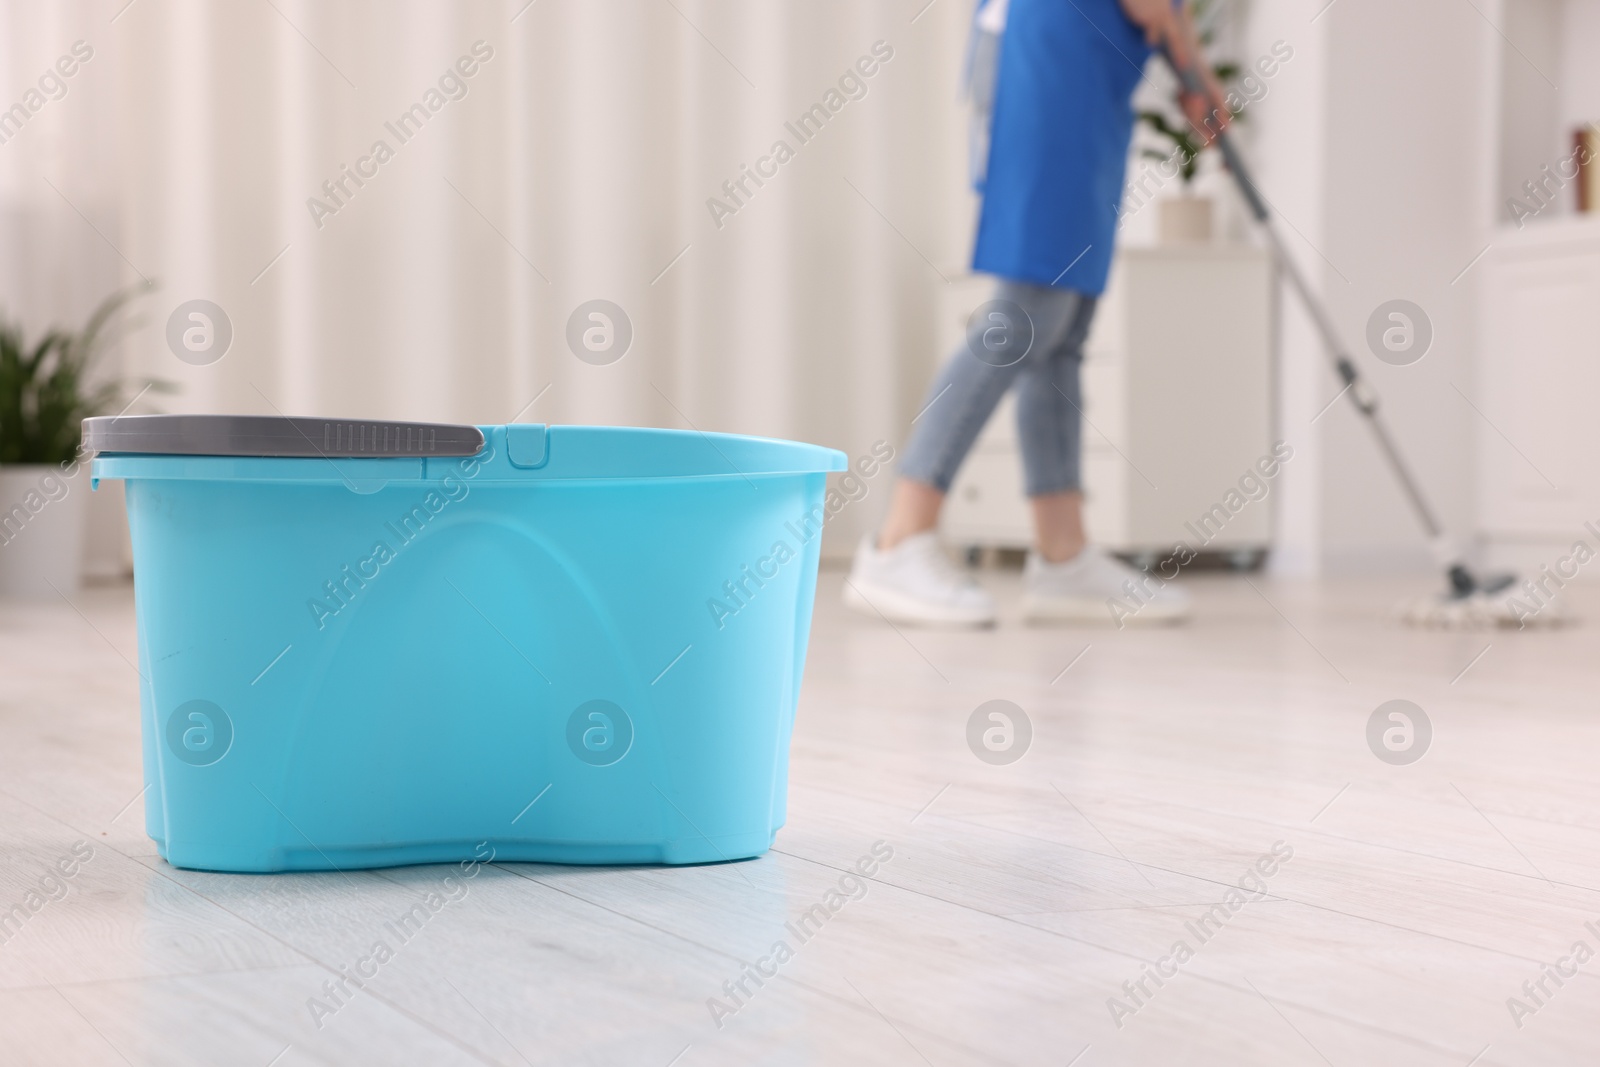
1364	398
1192	83
1360	393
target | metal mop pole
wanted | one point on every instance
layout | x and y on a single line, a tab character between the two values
1462	582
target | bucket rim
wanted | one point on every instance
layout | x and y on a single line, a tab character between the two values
514	452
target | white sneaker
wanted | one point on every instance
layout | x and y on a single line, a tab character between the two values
914	582
1096	587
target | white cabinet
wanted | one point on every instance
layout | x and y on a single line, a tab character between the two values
1538	381
1537	289
1177	392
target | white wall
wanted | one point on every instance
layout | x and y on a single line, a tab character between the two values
1284	138
1526	145
1403	222
1370	147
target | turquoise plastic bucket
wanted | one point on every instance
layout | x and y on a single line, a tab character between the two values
581	645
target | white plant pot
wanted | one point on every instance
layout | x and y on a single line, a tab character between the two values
1185	220
43	513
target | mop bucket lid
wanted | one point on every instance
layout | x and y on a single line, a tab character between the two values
364	455
275	435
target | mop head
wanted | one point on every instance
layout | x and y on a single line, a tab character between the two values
1505	609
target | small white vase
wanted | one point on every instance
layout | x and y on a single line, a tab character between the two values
43	513
1185	220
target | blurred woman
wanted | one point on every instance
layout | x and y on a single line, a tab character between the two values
1057	78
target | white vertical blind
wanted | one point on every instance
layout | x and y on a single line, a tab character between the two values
584	151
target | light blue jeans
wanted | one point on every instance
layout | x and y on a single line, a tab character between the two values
1046	376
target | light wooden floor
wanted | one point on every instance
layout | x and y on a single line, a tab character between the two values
1018	901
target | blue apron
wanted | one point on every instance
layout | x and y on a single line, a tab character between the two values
1058	142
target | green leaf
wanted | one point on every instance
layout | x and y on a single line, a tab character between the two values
46	391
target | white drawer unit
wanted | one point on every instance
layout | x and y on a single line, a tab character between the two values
1177	389
1538	380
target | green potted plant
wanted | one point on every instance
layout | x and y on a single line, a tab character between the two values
48	386
1186	219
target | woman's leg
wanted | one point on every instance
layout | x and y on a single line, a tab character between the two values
904	575
913	508
964	395
1058	525
1050	429
1065	579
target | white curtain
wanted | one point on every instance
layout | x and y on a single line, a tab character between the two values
577	166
